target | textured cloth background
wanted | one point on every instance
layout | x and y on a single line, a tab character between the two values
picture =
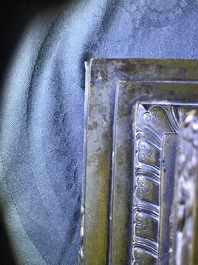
41	109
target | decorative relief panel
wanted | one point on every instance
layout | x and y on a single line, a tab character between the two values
109	233
150	143
154	128
147	188
141	258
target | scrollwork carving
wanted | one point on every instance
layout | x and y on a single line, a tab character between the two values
144	152
141	225
142	188
151	116
139	260
154	121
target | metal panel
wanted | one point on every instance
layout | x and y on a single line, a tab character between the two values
143	179
97	241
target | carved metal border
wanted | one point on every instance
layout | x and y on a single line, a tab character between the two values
162	104
102	77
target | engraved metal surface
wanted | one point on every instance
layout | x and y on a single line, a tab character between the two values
153	145
153	196
106	234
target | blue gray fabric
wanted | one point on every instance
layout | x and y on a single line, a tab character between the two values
42	101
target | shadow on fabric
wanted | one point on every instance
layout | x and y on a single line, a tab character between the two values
14	16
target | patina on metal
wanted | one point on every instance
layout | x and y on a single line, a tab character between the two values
147	124
186	193
107	229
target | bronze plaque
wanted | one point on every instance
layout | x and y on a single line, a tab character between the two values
145	140
106	238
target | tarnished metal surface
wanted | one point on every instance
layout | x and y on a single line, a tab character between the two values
186	193
106	233
145	157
